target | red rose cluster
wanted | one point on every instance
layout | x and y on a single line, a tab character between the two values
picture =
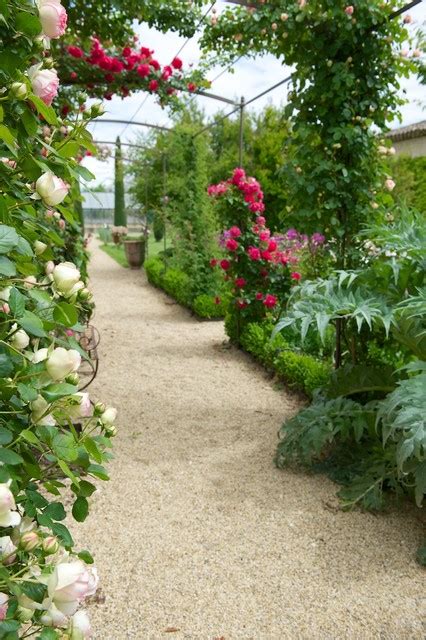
132	68
257	268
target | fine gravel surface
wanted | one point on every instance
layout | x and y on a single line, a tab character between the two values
197	535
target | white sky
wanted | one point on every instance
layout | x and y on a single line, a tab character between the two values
251	77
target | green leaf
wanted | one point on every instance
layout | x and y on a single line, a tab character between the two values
10	457
28	23
29	436
34	590
8	137
85	489
27	393
353	379
23	247
69	474
63	534
30	122
47	112
65	314
55	511
6	626
92	449
99	471
6	366
80	509
7	267
6	436
16	302
8	238
48	634
86	556
32	324
58	390
70	149
64	447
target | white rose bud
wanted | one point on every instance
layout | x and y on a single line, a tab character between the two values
99	408
39	247
20	339
39	415
19	90
110	430
390	184
66	275
62	362
29	541
50	545
30	281
109	415
79	627
51	189
48	269
8	516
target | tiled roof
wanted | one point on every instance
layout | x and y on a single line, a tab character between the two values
417	130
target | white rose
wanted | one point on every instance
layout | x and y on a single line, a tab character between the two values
48	269
84	407
79	628
20	339
70	583
62	362
8	516
39	355
75	289
53	617
109	415
51	189
389	184
66	276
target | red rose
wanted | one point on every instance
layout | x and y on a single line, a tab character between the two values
295	276
213	262
240	282
75	52
270	301
217	300
259	296
73	75
254	253
126	52
272	246
177	63
167	72
225	264
241	304
155	64
266	256
153	85
146	52
192	87
143	70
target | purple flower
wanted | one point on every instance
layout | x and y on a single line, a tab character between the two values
317	238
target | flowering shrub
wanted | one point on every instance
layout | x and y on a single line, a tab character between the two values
52	436
121	70
259	267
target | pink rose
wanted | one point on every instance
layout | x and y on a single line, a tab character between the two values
390	184
265	235
349	10
225	264
235	232
44	83
232	244
261	220
53	18
295	276
254	253
4	598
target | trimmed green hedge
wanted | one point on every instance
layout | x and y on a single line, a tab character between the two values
178	285
299	370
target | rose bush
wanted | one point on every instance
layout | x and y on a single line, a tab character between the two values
52	436
259	268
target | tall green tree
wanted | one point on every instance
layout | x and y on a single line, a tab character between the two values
120	217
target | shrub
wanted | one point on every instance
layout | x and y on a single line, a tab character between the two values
178	285
298	370
154	268
105	235
205	306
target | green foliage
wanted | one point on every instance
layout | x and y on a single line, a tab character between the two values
205	306
300	371
408	173
178	285
154	268
158	227
117	253
120	216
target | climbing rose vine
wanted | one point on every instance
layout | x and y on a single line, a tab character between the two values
104	72
54	438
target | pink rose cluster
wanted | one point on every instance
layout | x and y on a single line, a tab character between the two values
128	66
255	256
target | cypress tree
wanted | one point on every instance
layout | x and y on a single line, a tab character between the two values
120	218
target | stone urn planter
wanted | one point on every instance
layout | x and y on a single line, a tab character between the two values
135	253
116	237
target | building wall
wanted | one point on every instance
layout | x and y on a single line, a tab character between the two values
414	147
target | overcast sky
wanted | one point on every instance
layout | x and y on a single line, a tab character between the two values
250	78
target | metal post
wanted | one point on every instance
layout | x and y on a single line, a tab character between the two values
164	207
146	230
241	145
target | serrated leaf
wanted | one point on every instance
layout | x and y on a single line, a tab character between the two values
47	112
58	390
55	511
65	314
27	393
34	590
8	238
16	302
63	534
7	456
7	267
32	324
64	446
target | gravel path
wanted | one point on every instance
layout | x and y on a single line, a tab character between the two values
197	535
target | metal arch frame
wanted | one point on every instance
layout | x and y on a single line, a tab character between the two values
239	106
